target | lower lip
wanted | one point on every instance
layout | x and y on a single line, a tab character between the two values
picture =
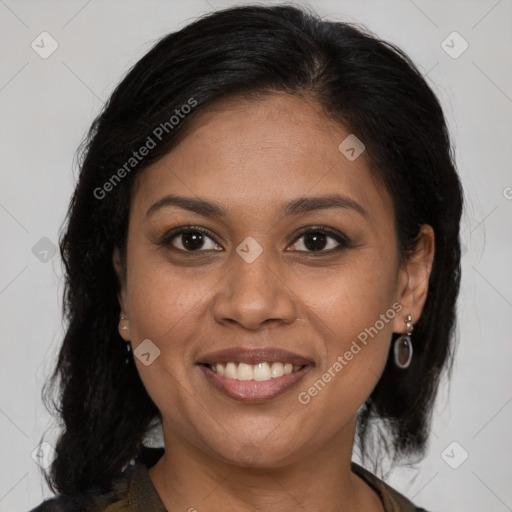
253	390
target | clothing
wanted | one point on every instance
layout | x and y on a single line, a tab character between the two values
133	491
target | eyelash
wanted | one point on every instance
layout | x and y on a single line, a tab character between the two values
343	241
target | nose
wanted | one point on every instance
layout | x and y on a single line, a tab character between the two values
254	294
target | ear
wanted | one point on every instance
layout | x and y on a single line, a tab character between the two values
413	278
120	270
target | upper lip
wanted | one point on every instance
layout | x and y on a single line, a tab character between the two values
254	356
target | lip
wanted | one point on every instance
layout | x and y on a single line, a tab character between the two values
254	356
253	391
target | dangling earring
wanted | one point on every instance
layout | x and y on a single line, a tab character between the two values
403	346
124	326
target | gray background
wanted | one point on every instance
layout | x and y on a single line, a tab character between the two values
47	106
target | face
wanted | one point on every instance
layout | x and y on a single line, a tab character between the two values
264	326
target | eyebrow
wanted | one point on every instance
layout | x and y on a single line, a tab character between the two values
295	207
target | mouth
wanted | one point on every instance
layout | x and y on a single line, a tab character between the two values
254	375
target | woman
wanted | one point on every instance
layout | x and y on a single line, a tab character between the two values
262	254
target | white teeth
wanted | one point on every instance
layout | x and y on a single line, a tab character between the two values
262	372
245	372
259	372
277	370
231	371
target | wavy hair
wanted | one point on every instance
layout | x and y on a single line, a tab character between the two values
367	85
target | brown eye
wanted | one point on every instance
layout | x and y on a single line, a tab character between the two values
320	240
315	241
190	239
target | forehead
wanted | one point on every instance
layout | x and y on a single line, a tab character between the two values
247	153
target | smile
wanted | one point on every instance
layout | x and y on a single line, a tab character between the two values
252	390
253	375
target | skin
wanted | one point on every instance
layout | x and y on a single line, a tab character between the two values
251	157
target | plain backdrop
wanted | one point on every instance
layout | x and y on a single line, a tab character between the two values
47	104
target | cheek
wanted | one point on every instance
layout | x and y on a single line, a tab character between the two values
165	308
353	312
351	298
164	304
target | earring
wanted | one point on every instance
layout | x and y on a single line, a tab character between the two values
125	329
124	326
403	346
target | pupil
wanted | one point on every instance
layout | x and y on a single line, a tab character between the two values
192	240
314	238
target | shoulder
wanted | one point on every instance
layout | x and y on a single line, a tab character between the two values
96	498
392	500
132	486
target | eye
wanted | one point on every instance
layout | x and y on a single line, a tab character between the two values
316	239
190	239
